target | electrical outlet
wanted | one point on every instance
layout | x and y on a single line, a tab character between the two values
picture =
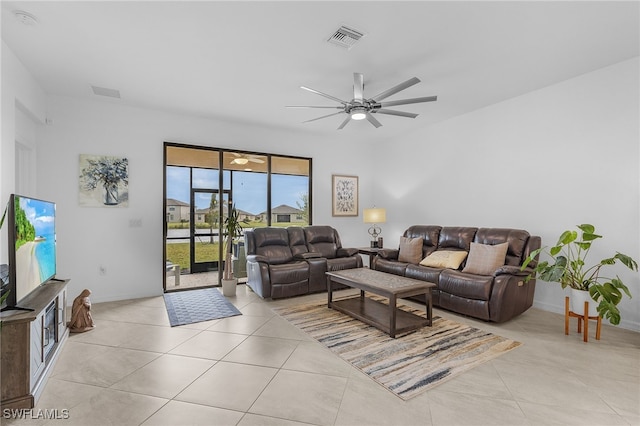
102	270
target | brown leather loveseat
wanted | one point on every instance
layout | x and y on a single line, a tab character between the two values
285	262
497	294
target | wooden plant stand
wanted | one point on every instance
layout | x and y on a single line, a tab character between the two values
585	317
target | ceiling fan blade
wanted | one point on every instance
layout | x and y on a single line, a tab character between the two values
310	106
255	160
398	113
409	101
324	94
345	122
358	87
324	116
373	121
396	89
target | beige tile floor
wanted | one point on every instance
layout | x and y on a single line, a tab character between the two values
257	369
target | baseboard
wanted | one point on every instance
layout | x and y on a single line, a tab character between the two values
125	296
559	309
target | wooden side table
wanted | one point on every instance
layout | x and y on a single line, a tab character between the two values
584	317
369	251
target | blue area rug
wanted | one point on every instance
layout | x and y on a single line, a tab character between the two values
187	307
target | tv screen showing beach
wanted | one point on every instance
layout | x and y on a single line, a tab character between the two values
35	242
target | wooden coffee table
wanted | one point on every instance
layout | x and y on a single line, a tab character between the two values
388	318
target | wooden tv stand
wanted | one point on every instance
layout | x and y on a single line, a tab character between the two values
31	343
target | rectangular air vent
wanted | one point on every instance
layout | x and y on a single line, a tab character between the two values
345	37
103	91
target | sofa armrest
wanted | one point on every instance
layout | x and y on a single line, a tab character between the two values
346	252
513	270
308	255
390	254
257	258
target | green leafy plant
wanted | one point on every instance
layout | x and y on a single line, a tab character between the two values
233	230
568	267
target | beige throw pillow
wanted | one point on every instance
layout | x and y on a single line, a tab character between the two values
484	259
410	250
445	259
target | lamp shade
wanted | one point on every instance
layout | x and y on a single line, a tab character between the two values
374	215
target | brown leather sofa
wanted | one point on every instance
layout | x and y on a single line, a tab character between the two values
285	262
497	297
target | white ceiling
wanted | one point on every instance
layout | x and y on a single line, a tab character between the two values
245	61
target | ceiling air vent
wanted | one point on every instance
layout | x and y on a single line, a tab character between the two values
103	91
345	37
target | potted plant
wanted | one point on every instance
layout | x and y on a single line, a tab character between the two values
233	230
568	267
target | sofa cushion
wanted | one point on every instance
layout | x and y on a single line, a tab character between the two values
456	237
445	259
341	263
297	242
475	287
289	273
423	273
410	250
484	259
390	266
429	235
517	239
322	239
273	243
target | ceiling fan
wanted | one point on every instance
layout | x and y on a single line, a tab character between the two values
360	107
245	158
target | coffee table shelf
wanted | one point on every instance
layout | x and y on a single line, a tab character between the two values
388	318
373	312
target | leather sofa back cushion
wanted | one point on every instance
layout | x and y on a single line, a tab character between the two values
410	250
484	259
429	234
273	243
445	259
297	242
321	239
456	237
517	239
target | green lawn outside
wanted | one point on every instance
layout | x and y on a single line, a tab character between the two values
185	225
178	253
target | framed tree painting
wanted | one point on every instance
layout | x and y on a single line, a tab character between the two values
345	195
104	181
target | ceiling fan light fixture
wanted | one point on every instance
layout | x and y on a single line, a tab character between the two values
241	161
358	114
361	107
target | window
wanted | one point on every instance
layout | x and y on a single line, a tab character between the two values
290	183
202	182
283	218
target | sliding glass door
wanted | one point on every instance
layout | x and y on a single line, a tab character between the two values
200	186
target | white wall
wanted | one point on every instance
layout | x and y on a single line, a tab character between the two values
23	107
544	162
93	237
514	164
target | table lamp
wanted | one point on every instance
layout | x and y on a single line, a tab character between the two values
375	216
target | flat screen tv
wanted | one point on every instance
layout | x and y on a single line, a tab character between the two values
32	247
